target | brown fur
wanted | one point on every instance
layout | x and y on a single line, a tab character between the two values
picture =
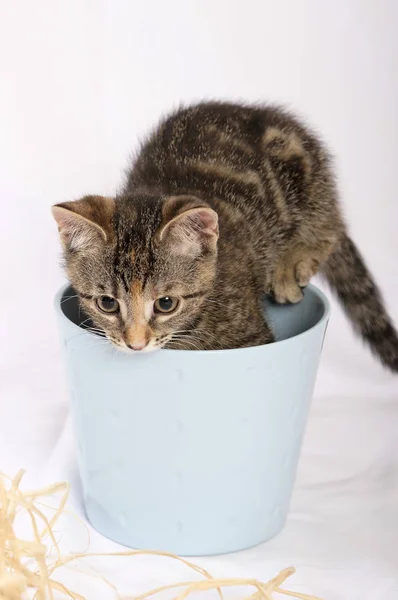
223	204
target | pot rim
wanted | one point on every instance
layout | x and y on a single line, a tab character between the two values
315	290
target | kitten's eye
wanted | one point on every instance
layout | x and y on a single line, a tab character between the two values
107	304
166	304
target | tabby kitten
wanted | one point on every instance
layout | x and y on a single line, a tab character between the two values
223	204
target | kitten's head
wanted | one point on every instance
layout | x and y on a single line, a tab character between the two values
141	266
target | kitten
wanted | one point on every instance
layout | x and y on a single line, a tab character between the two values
223	204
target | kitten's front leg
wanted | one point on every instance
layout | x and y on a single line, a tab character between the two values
295	270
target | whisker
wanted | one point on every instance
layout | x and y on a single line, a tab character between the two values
85	325
197	336
84	332
200	335
92	327
65	298
176	339
97	332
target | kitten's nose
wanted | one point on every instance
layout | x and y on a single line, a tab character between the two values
137	346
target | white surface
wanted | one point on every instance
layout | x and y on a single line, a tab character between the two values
81	81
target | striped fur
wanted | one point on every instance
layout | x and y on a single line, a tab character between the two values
360	297
248	200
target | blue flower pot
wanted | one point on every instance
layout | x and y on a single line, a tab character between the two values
192	452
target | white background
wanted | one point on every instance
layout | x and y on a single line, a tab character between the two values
81	81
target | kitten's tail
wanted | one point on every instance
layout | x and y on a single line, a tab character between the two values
349	278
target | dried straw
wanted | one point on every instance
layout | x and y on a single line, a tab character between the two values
29	565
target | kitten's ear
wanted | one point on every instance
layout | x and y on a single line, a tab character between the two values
85	222
189	225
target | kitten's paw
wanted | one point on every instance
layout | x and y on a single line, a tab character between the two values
305	271
287	292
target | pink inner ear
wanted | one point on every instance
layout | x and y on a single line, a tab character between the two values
190	231
209	221
76	231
